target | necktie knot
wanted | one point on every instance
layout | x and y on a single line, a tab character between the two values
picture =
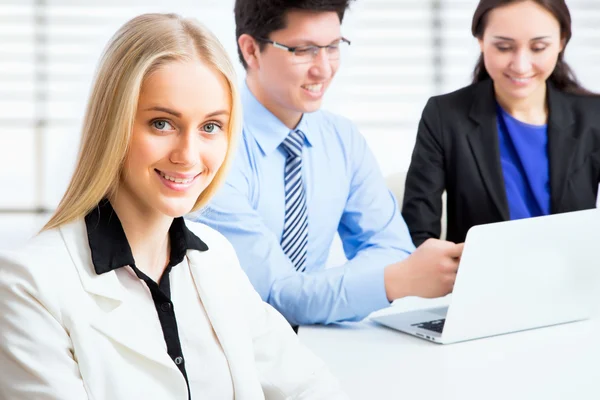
293	143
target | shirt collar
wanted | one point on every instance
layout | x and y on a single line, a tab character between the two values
110	248
268	131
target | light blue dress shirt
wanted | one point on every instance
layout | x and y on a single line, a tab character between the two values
345	192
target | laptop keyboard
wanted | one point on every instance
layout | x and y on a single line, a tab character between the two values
435	326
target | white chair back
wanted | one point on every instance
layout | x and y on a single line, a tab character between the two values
395	182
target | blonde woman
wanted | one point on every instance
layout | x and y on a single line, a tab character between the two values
120	298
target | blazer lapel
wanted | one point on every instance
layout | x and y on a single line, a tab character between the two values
561	143
483	140
116	320
223	309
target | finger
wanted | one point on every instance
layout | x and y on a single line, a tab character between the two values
456	250
449	281
452	268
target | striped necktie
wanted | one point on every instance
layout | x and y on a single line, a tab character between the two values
295	228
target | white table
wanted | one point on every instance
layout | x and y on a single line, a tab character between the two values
373	362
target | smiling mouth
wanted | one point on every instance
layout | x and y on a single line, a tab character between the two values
520	80
314	88
176	180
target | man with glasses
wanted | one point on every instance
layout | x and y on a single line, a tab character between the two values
303	174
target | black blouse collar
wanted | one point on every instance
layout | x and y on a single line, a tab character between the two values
110	248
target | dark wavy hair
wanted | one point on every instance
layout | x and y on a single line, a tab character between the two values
563	76
258	18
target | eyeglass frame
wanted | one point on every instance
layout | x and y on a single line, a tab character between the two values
294	48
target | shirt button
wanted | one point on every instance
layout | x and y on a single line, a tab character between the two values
178	360
165	307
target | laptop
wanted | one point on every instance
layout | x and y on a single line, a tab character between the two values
513	276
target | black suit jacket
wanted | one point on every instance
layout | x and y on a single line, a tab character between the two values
457	150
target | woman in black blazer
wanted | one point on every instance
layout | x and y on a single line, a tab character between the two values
523	140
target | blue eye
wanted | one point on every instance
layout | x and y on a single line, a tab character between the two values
211	127
162	125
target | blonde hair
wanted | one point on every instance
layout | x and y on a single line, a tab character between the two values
140	47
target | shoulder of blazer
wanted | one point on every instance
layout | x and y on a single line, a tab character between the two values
568	107
215	241
469	101
43	252
39	266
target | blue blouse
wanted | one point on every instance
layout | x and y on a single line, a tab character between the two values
524	160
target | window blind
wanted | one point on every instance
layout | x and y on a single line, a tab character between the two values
402	52
460	50
389	74
50	49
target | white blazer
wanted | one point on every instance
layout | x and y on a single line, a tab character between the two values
66	333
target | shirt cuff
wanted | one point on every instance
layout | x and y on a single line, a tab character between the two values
366	291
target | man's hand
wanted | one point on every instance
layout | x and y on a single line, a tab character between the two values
430	271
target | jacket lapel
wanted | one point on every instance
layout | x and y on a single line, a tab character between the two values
561	143
222	305
483	140
116	320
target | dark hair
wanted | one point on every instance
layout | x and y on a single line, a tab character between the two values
258	18
562	77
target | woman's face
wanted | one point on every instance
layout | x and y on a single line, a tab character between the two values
520	47
179	138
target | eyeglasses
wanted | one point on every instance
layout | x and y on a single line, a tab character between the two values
307	54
